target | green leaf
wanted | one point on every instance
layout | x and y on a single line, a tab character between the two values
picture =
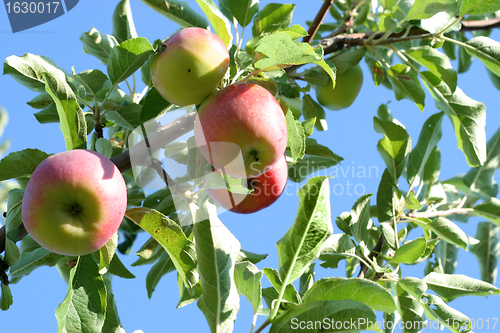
405	84
11	254
41	101
128	116
179	12
306	280
490	210
123	24
171	237
21	163
436	62
335	249
451	286
362	290
217	20
217	250
243	10
281	50
494	79
423	9
316	157
445	229
154	105
413	286
411	311
480	179
29	70
127	57
72	121
445	258
361	223
432	167
6	299
13	219
468	118
226	10
464	58
272	17
409	252
112	322
290	294
48	115
394	147
93	80
254	258
107	252
163	266
97	44
478	7
311	109
487	251
329	312
116	267
247	278
302	243
296	136
104	147
487	50
32	257
385	197
437	310
84	306
188	296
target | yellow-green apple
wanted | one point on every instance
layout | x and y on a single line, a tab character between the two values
74	202
241	130
267	188
191	66
347	87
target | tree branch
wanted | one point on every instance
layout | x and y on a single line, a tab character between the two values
337	42
313	29
142	151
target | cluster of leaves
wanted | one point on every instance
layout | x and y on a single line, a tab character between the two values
82	103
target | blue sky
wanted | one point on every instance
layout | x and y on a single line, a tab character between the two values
350	135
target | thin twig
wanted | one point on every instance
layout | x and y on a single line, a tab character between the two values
459	211
313	29
374	253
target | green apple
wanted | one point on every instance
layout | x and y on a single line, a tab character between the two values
241	130
267	188
74	202
191	66
347	87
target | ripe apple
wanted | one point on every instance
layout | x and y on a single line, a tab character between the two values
191	67
347	87
267	189
74	202
241	130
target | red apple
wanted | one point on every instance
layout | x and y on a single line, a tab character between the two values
241	130
74	202
191	67
267	189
